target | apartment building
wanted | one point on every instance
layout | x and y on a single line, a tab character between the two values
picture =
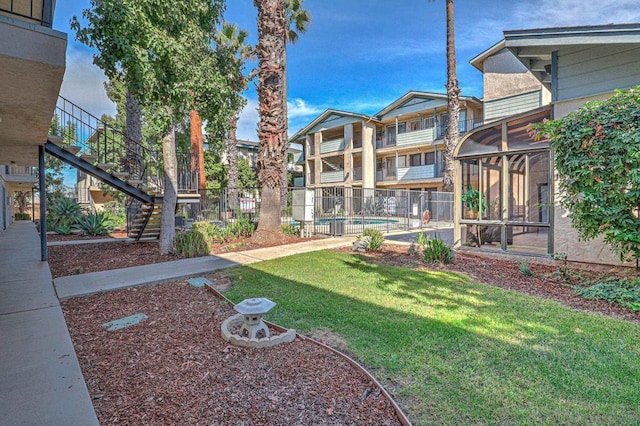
400	147
32	63
529	76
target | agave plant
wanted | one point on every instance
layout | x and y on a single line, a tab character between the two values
95	224
64	211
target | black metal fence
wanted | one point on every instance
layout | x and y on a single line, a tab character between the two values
336	210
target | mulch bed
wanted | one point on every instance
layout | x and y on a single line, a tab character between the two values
81	237
175	368
84	258
547	281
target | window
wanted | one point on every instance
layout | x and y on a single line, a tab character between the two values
416	160
391	135
402	161
427	122
402	128
429	158
391	166
414	125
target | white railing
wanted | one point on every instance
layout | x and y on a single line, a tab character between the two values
418	136
416	172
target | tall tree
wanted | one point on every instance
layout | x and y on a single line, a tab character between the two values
272	128
299	20
232	43
453	101
162	51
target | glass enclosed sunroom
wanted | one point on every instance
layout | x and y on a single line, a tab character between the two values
504	187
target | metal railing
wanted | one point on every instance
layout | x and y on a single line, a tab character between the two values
40	11
108	145
337	210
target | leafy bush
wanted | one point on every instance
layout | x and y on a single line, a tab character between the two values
376	241
115	211
22	216
290	230
94	224
193	243
64	230
243	227
624	292
525	270
436	250
421	239
63	211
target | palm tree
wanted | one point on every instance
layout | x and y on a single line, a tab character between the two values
453	102
231	41
272	128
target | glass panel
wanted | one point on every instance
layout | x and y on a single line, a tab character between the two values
402	161
429	158
482	142
519	132
517	187
492	188
528	239
539	187
416	160
469	184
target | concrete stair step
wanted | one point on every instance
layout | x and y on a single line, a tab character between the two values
105	166
89	158
73	149
120	175
55	139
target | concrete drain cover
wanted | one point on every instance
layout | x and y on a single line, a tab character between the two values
199	282
124	322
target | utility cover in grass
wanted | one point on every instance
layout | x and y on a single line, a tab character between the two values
199	282
124	322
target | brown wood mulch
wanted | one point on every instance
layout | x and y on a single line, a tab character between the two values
76	259
547	282
175	368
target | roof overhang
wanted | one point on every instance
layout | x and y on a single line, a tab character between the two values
319	119
418	94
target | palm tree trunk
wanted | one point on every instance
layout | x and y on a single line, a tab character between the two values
272	129
453	102
197	150
170	197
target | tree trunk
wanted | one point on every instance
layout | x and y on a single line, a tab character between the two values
232	163
133	161
198	178
453	102
170	197
272	129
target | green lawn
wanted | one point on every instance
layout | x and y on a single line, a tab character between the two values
456	352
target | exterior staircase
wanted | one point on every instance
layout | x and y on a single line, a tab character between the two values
90	145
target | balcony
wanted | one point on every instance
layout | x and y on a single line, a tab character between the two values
33	11
20	178
415	137
32	63
332	176
404	174
298	182
464	126
332	145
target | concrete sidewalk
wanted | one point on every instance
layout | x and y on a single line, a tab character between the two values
95	282
40	378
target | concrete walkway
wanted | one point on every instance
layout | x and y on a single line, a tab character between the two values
95	282
40	378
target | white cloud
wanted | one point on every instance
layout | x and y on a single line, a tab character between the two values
299	108
248	122
83	84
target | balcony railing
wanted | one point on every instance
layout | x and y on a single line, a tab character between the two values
425	134
409	173
21	170
331	177
464	126
332	145
40	11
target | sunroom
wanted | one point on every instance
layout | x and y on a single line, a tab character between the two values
504	190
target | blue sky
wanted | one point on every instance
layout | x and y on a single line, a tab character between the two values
360	55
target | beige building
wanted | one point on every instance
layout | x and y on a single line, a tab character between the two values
32	63
529	76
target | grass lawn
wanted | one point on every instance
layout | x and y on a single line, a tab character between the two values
457	352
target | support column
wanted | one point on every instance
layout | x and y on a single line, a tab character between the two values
43	205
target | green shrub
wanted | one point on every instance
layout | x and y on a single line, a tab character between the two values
115	211
22	216
94	224
243	227
290	230
63	211
525	270
192	243
624	292
376	241
64	230
421	239
436	250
